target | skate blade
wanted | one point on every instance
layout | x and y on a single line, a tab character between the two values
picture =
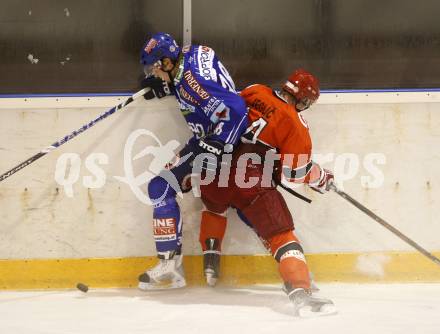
162	285
325	310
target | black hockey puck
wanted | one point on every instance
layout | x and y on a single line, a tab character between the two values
84	288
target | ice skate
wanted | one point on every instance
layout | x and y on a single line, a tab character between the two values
167	274
211	262
308	306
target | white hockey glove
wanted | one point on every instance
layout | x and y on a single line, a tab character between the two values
325	180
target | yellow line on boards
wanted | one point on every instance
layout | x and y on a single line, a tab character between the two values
235	270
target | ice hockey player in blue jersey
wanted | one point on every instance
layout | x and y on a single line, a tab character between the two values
217	117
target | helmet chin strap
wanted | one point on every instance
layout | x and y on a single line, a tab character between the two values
305	104
298	110
288	97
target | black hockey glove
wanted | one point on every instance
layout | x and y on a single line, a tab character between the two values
159	88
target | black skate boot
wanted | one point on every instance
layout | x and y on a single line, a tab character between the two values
211	261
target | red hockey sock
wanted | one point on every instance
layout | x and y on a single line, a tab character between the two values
212	226
286	249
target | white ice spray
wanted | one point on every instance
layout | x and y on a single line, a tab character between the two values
372	264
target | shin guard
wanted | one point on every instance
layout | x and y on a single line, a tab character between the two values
286	249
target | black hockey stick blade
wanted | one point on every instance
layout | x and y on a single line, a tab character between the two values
388	226
75	133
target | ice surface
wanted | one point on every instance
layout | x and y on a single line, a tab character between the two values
388	309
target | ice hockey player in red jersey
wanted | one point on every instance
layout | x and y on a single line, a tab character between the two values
275	126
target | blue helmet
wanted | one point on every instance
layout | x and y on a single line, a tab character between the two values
159	46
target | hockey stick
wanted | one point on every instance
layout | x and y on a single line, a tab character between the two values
75	133
382	222
294	193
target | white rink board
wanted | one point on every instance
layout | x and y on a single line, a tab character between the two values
39	221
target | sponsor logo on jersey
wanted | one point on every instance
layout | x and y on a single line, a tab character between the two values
263	108
184	94
151	45
213	106
164	226
219	112
195	86
223	115
205	58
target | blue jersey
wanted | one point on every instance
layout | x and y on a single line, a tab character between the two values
207	96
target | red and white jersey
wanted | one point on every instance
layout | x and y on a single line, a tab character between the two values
277	124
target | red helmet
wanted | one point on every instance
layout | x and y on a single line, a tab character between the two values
304	87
